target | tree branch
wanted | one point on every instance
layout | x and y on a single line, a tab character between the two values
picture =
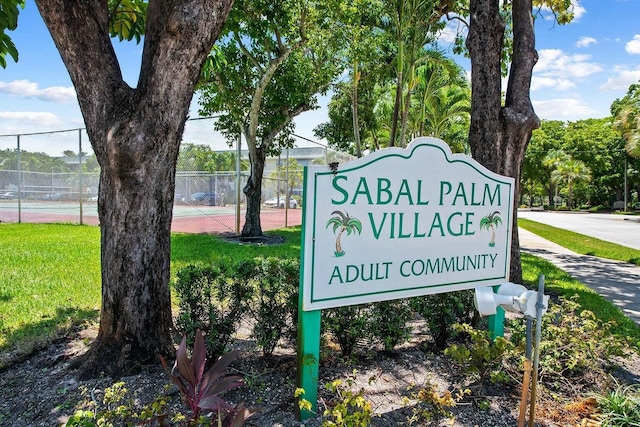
246	52
278	38
172	26
456	18
81	34
524	55
288	116
256	101
303	22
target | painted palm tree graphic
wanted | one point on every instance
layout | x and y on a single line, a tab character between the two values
491	222
346	223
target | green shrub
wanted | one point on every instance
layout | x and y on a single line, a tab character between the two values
574	344
442	311
388	323
385	322
347	408
433	406
597	208
118	407
348	325
351	409
480	356
213	299
275	303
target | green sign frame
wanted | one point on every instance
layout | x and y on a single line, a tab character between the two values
397	223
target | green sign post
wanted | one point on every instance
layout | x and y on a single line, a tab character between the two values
396	224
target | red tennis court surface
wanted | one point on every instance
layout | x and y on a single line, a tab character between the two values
205	219
270	219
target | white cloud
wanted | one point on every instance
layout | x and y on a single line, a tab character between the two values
564	84
586	41
558	71
467	74
19	122
28	89
622	78
633	46
556	63
30	124
448	34
562	109
538	83
578	10
30	116
542	82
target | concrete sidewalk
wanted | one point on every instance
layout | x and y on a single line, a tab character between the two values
619	282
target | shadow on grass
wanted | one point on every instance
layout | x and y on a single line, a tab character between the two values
192	248
31	337
206	248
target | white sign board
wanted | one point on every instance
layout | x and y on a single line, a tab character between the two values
401	223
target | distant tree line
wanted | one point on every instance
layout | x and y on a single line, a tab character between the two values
42	162
578	164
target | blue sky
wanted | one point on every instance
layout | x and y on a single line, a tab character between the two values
583	67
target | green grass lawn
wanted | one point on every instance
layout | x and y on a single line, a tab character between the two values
50	278
580	243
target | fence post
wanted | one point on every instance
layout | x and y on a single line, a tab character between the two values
287	195
19	183
80	192
238	154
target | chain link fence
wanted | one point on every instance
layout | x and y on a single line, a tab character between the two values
53	177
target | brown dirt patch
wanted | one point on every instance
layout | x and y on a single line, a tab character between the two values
43	390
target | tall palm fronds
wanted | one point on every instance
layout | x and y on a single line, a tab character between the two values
412	24
571	171
627	118
451	103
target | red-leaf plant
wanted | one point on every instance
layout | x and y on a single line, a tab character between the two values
202	390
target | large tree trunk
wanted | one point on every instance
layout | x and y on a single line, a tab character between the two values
499	135
253	192
136	135
135	210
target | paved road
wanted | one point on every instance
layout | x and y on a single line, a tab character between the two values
618	282
621	229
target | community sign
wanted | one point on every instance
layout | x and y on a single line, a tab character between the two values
402	223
